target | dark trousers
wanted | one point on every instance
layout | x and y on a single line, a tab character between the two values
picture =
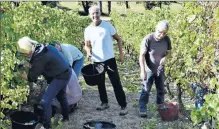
57	88
110	67
147	84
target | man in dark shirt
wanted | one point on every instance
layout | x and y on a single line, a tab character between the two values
46	60
154	50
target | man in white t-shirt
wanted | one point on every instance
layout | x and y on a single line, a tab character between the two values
99	46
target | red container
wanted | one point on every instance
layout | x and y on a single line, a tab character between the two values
169	111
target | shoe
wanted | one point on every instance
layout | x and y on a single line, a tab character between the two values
73	107
54	109
142	112
65	114
103	106
123	111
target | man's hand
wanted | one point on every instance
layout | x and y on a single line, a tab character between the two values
89	57
143	75
162	61
67	91
24	75
160	69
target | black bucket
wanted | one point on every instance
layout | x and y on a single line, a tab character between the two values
39	111
92	74
24	120
99	125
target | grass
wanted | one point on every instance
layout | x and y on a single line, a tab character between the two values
71	5
119	7
175	7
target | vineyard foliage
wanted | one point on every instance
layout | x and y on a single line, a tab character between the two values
41	23
194	34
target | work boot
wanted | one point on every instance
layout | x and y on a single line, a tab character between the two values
103	106
73	107
65	114
142	112
123	111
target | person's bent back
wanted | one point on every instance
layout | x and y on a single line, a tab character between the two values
49	62
53	64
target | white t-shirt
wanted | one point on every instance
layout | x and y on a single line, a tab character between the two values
101	40
71	52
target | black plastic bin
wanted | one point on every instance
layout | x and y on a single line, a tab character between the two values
24	120
93	73
99	125
39	111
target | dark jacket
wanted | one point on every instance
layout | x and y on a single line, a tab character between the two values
50	63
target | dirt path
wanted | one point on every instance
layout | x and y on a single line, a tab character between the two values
90	100
86	112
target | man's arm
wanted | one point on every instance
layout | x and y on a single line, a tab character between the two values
67	53
142	63
168	53
36	69
119	41
167	56
87	47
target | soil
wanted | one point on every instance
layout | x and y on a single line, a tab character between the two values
86	111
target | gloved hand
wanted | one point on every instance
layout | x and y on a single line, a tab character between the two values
160	69
162	61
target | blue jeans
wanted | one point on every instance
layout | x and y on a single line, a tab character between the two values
147	84
77	66
57	88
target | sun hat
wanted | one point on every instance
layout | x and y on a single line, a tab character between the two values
26	45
